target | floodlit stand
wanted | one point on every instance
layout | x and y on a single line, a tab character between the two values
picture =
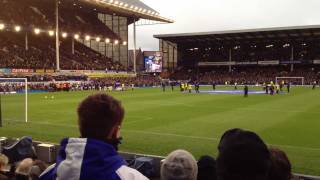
279	78
25	80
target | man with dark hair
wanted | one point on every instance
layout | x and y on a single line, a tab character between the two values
280	165
94	155
242	156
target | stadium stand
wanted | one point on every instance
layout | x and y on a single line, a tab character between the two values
247	74
40	53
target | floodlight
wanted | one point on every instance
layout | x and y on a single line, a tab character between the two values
17	28
64	35
116	42
98	39
37	31
76	36
124	43
2	26
87	38
107	40
51	33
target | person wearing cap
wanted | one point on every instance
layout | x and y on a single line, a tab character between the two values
242	156
179	165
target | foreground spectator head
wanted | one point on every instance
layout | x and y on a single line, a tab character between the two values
179	165
242	156
100	117
37	168
24	167
206	168
280	165
94	156
3	161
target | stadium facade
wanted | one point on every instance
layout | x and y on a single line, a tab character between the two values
287	46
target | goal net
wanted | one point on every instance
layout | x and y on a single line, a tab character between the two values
13	100
291	80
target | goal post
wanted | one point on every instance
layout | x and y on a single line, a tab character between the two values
13	92
301	79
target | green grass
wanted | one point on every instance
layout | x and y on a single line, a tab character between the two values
157	123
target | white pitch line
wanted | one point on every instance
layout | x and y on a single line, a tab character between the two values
137	121
178	135
212	139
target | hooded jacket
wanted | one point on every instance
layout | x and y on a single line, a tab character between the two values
89	159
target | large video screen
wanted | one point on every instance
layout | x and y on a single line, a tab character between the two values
153	61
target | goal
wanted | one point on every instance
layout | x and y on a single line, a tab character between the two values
292	80
13	100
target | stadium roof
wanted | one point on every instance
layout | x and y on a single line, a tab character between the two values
293	33
129	8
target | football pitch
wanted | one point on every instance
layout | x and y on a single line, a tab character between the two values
158	122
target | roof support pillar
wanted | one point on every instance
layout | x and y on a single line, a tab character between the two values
26	42
292	58
134	46
57	38
72	46
230	59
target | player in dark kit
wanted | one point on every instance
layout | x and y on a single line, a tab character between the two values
172	86
314	84
163	86
213	85
197	86
246	91
288	87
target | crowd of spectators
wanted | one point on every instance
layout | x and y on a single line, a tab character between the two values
248	74
26	169
41	14
77	83
242	154
40	52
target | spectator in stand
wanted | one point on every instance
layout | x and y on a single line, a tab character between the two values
207	168
179	165
23	170
94	155
37	168
280	165
3	164
242	156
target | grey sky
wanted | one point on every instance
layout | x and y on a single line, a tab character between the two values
216	15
